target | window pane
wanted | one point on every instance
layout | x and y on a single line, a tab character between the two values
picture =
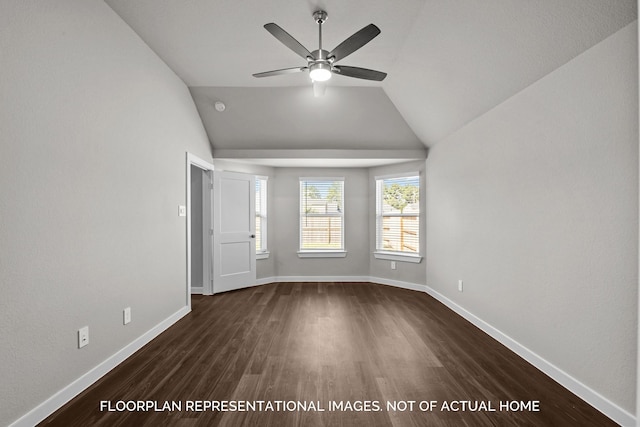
258	233
321	197
321	214
258	193
321	232
400	233
261	214
401	195
398	214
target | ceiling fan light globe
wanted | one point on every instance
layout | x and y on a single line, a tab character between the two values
320	72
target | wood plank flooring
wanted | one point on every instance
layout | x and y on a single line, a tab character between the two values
363	346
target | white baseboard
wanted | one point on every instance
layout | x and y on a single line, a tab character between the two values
399	284
266	280
197	290
349	279
59	399
290	279
584	392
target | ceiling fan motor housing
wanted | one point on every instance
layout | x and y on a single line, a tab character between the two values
321	55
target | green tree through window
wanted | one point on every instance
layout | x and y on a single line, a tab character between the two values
398	214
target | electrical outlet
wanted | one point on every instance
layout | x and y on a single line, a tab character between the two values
460	285
83	336
126	314
393	265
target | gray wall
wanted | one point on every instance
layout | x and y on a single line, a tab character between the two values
535	206
404	272
283	205
92	169
285	218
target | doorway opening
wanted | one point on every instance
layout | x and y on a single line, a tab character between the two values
199	227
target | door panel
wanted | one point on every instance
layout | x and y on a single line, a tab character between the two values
235	258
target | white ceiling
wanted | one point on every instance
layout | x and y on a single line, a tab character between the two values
223	42
465	56
448	62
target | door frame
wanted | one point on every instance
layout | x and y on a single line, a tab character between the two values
207	215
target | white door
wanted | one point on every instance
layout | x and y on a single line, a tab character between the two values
234	229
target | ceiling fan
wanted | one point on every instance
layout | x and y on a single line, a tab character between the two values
320	62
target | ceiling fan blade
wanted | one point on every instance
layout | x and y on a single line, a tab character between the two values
278	72
287	40
355	42
360	73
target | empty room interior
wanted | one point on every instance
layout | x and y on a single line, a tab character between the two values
420	212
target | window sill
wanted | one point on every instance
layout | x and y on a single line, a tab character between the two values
262	255
394	256
322	254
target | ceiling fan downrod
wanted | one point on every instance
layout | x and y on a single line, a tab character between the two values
320	16
319	64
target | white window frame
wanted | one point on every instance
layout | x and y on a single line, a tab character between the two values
321	253
263	252
379	252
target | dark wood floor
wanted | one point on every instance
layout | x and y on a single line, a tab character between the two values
317	343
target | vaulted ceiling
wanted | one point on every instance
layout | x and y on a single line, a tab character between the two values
448	62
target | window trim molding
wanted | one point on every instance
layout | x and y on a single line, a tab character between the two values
321	253
398	256
397	175
395	255
264	226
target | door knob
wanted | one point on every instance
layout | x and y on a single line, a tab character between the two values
253	236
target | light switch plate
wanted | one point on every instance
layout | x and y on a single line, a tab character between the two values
83	336
182	210
126	314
